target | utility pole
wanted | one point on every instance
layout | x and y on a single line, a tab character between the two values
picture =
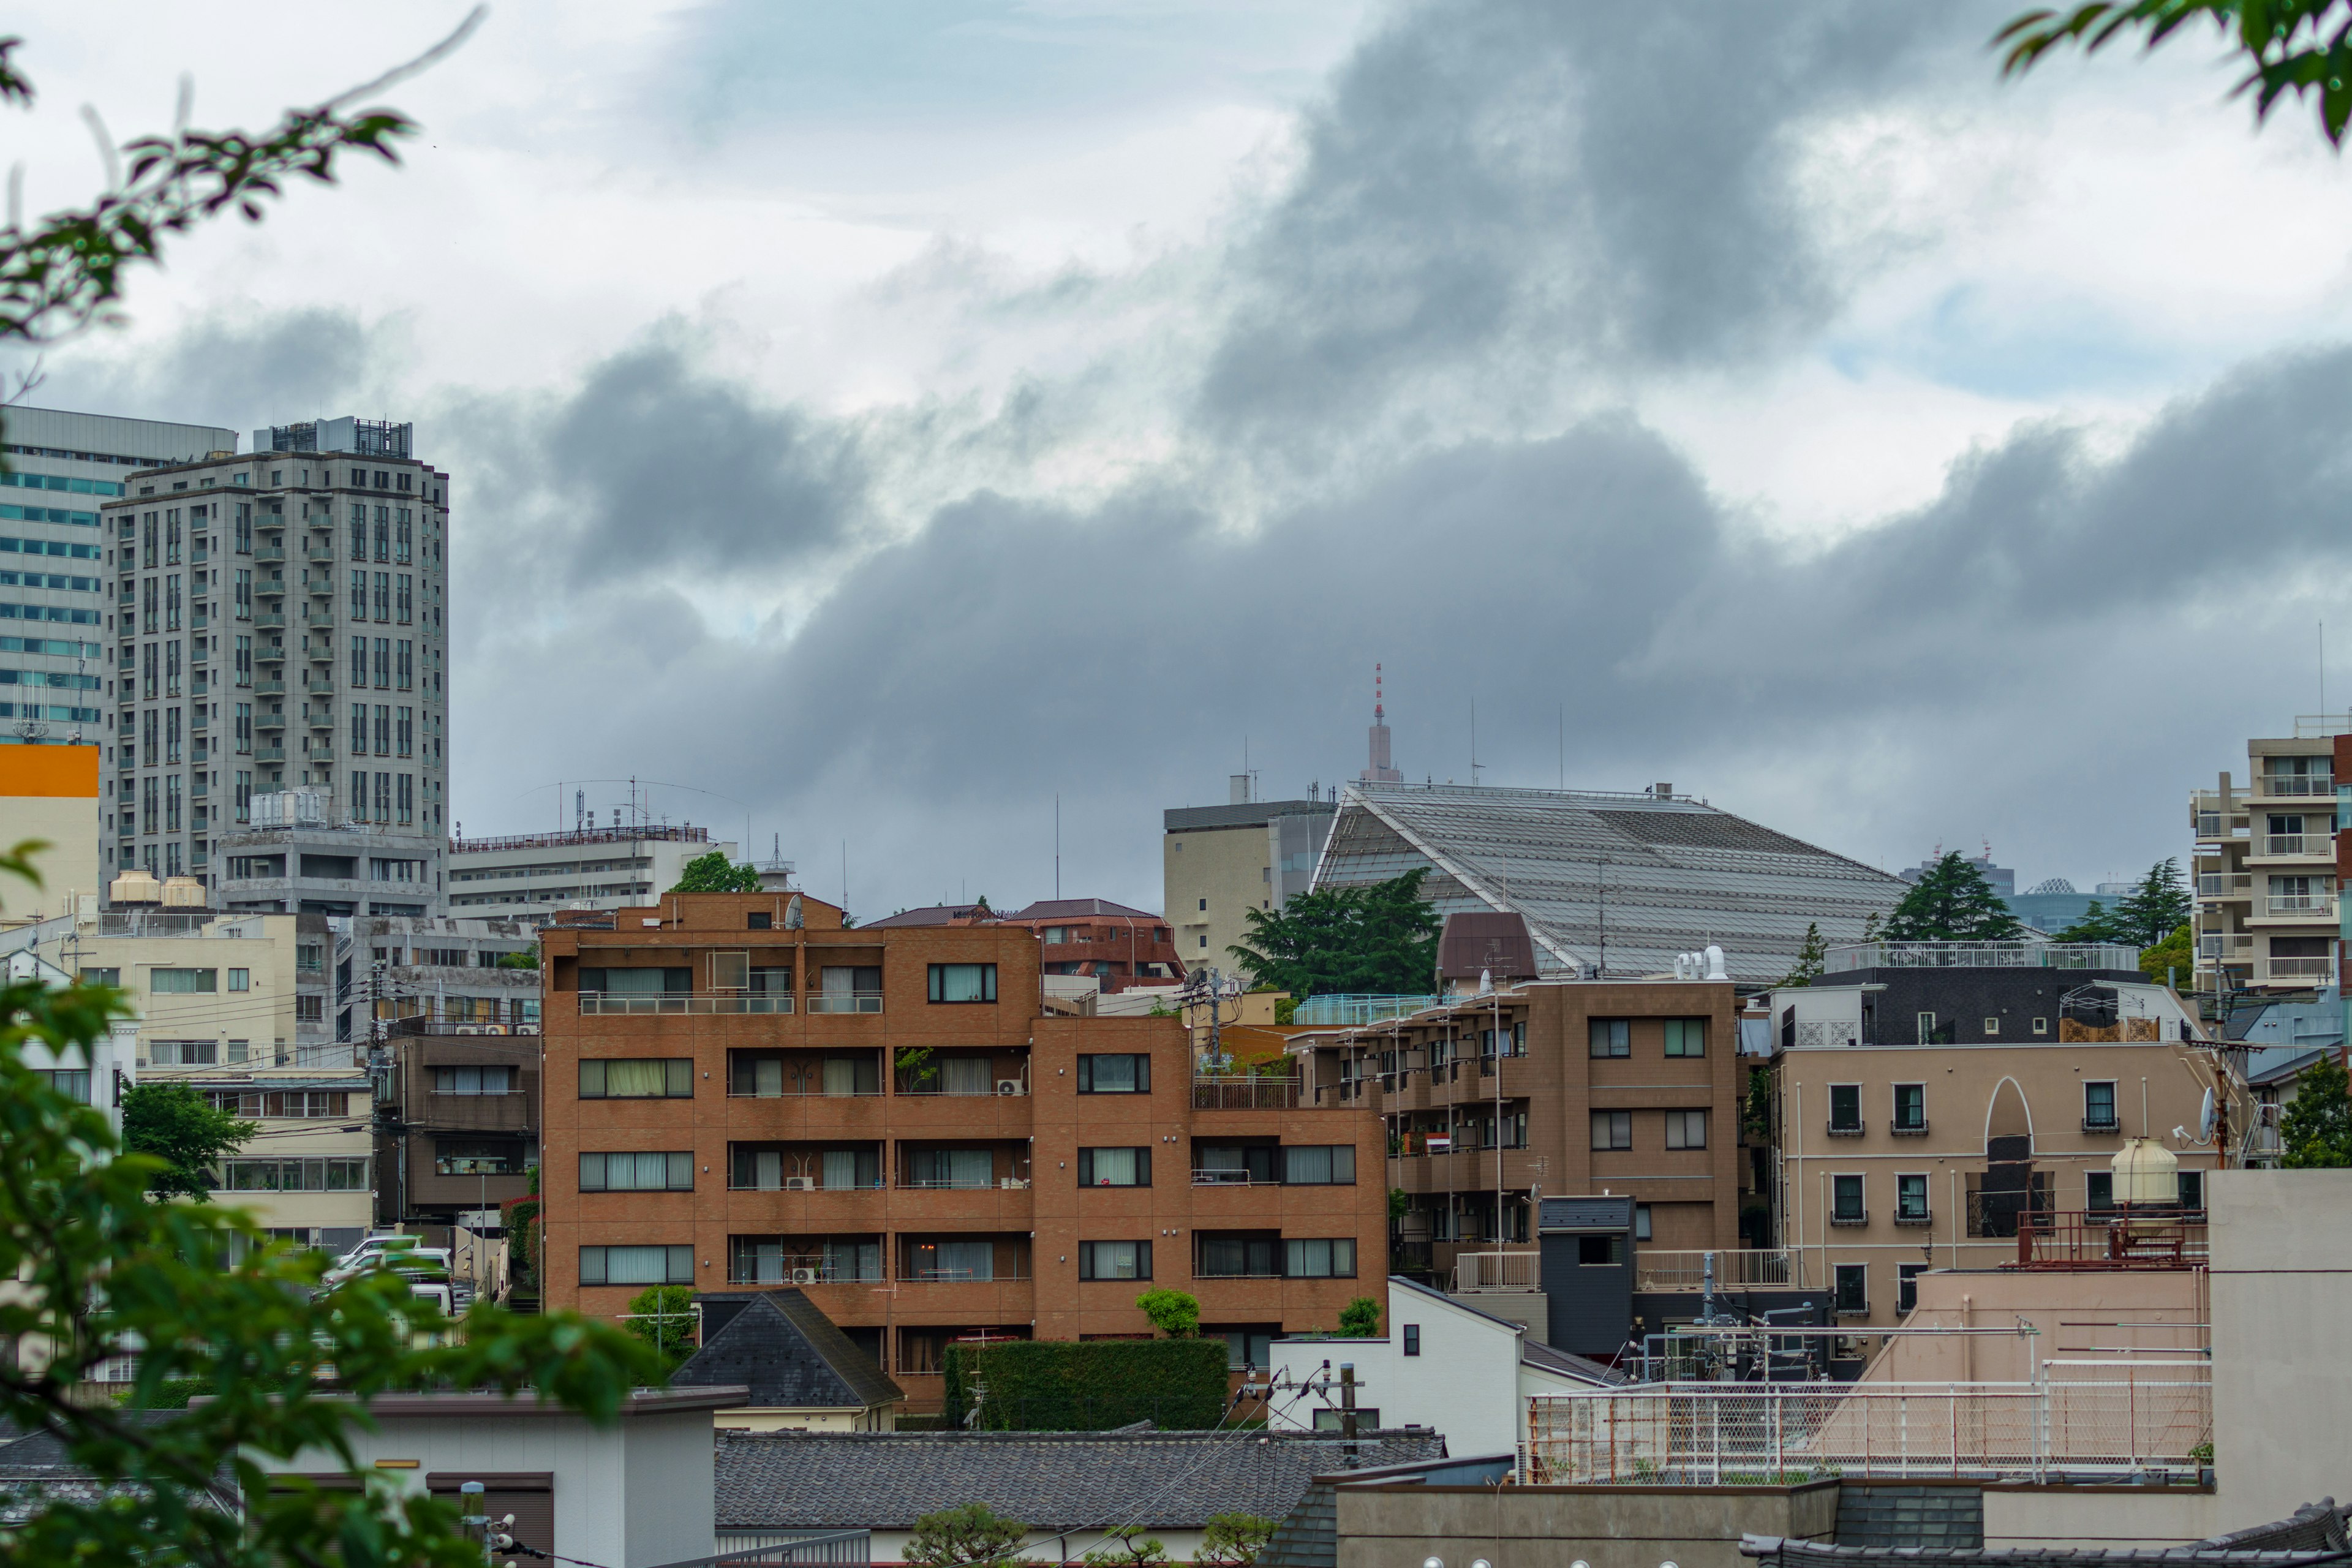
1348	1412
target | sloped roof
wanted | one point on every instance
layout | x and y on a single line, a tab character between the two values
1070	909
928	915
1654	876
1048	1481
791	1356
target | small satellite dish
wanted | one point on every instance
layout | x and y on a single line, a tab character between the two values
2205	1119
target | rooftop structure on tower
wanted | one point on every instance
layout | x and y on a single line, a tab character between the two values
1380	770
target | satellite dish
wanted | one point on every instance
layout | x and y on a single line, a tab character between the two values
2205	1119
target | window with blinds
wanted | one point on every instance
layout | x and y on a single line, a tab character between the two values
637	1078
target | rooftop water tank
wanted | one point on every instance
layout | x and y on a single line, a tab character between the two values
184	893
133	890
2147	1175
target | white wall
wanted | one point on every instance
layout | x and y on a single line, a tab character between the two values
1467	1384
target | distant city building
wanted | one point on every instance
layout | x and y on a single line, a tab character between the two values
55	599
278	625
300	855
2051	905
1219	862
2003	880
2266	866
530	876
1612	885
1381	767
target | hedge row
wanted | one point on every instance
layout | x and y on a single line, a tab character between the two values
1087	1386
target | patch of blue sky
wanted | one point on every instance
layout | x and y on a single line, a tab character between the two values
2031	351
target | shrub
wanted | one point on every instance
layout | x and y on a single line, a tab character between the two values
1172	1312
1127	1547
663	1318
1065	1386
974	1533
1360	1319
1234	1539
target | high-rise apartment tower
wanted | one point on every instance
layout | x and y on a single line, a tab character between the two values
278	625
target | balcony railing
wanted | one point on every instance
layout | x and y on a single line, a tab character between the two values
863	1002
2111	1239
1737	1268
1849	1216
2312	906
2223	884
2289	786
2225	945
1818	1033
1982	955
1245	1093
1476	1271
2298	845
807	1185
2301	968
597	1004
806	1270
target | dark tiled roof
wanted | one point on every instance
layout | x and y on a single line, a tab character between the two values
930	915
1065	908
789	1355
1308	1535
1048	1481
1534	1352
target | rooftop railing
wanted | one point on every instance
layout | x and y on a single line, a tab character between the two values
1477	1271
1352	1011
1981	956
636	835
1249	1093
2110	1240
1737	1268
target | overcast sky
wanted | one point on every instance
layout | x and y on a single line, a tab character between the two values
886	417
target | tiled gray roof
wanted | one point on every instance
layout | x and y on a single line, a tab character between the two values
785	1348
1048	1481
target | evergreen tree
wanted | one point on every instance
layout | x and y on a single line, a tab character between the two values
2156	907
175	1125
2316	1131
1951	903
1813	958
2097	924
2175	955
1381	939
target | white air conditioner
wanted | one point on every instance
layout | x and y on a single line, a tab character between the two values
803	1276
800	1184
1008	1086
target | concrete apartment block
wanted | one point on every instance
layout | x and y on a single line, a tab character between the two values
2264	866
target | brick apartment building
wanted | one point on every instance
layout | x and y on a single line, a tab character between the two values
1610	1086
740	1092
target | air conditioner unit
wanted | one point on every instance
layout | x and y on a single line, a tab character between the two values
800	1184
805	1276
1008	1086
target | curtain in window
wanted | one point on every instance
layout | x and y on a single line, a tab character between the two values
636	1265
633	982
637	1078
840	1169
1114	1167
840	1072
854	1260
965	1075
963	1259
767	1171
768	1076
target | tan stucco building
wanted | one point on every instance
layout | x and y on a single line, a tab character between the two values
2266	866
1219	862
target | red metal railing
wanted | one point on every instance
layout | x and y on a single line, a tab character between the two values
2118	1238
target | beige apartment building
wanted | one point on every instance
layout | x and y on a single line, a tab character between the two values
1219	862
234	1006
2266	866
1932	1097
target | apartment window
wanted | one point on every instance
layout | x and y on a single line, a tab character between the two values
1317	1165
1612	1130
358	533
311	1175
1611	1037
1641	1222
472	1081
477	1157
954	1169
1115	1075
383	528
168	982
240	980
671	1171
963	982
2099	1192
2192	1191
291	1105
1599	1251
1319	1259
1992	1025
359	595
641	1078
1851	1289
1910	1107
400	520
1685	1128
309	1009
1413	1339
400	600
405	664
182	1053
383	729
1247	1347
1686	1037
383	661
108	976
1115	1167
1845	1201
1845	1108
71	1082
359	661
359	729
384	595
1911	1199
952	1260
2099	1107
1932	1033
636	1266
1114	1261
1906	1285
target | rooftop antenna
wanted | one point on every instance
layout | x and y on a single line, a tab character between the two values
1563	746
1057	843
1473	742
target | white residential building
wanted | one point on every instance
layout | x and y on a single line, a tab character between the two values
530	876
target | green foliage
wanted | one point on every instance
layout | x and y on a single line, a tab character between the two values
663	1318
1951	903
1380	937
1360	1319
1234	1539
2302	46
1081	1385
2097	924
714	873
1172	1312
2175	955
974	1533
1756	1111
1813	958
1127	1547
519	960
1400	1203
100	1269
180	1131
2316	1131
1286	1011
2157	907
914	1063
